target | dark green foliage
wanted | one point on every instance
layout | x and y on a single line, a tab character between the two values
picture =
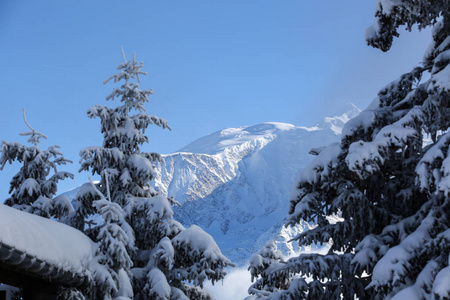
381	196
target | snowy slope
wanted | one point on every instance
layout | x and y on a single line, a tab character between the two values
235	183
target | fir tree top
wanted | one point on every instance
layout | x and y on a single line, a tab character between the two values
30	188
34	135
129	94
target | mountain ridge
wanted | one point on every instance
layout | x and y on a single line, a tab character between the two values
236	182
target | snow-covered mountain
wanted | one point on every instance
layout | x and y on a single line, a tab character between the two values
235	183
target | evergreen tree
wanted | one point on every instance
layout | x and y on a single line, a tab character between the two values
30	188
112	251
164	255
381	195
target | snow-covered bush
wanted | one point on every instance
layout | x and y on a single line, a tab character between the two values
388	187
140	242
32	189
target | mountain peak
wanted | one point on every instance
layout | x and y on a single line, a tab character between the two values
220	140
337	123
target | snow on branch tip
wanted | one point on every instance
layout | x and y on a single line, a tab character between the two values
35	135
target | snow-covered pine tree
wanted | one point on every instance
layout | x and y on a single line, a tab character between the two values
267	256
112	252
30	188
382	194
168	261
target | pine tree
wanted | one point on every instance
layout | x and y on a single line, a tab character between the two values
381	195
30	188
164	255
112	251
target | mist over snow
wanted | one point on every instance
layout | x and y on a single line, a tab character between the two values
234	286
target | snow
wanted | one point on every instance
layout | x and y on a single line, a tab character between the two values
444	45
371	32
177	294
318	168
158	207
393	266
437	27
159	288
429	51
440	60
235	137
303	206
441	80
363	120
29	187
425	279
125	288
364	158
56	243
441	284
140	163
436	176
43	204
368	251
198	242
116	154
410	293
239	179
388	5
337	123
129	130
234	286
62	202
237	167
125	177
165	252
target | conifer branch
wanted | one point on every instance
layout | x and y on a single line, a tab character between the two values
123	54
35	136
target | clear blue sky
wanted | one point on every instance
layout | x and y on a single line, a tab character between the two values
212	64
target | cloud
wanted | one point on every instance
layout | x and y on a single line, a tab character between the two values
234	286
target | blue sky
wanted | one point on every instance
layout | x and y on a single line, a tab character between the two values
212	64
